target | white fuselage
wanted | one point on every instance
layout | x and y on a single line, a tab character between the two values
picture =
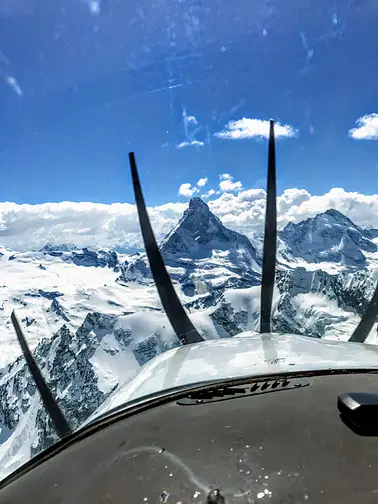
246	355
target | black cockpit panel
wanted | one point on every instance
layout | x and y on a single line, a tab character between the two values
284	447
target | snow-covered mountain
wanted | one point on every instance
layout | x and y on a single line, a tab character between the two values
202	255
93	317
82	257
330	236
199	233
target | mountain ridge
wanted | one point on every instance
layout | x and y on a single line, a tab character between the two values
103	320
330	236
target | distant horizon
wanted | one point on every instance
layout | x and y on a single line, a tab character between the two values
87	224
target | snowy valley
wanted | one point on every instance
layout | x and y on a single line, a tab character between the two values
93	317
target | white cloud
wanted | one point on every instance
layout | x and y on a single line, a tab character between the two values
249	128
367	128
94	224
202	182
245	211
191	119
191	143
209	193
187	190
227	183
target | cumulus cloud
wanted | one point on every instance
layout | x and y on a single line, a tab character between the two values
190	143
209	193
249	128
187	190
202	182
227	183
93	224
366	128
245	211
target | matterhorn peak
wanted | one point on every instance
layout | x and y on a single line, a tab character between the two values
199	232
198	204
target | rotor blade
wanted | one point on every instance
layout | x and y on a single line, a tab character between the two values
368	318
176	314
270	237
61	425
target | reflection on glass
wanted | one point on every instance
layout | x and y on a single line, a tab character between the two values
189	86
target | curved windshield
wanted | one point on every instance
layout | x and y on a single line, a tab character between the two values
189	87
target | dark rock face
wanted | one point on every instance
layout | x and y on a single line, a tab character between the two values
64	247
82	257
64	361
57	308
101	259
199	232
50	294
196	245
351	291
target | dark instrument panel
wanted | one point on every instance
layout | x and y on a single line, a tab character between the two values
284	444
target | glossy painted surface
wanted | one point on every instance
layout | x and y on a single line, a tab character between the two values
249	354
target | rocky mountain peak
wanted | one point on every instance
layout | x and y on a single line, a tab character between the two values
197	204
329	236
63	247
332	212
199	232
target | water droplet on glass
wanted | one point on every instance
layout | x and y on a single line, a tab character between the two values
266	477
145	499
171	474
231	449
306	497
164	496
161	450
94	7
247	446
260	495
247	472
196	495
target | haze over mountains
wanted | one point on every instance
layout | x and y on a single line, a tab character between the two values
93	316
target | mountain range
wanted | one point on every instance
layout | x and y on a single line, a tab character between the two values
93	317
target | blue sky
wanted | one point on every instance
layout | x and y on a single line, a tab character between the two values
84	82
